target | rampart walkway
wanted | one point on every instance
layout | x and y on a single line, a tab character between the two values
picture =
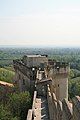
39	109
42	107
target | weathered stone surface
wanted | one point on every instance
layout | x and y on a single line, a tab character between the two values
54	100
67	110
29	116
50	106
37	109
59	110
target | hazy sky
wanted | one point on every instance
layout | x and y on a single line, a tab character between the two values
40	22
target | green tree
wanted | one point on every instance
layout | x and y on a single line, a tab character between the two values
74	87
19	104
5	113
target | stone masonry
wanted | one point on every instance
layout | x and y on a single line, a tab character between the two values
48	80
32	69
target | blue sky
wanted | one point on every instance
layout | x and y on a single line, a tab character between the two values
40	22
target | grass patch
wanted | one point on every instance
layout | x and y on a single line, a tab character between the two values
6	75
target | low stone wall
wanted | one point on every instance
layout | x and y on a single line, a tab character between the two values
31	112
63	110
29	116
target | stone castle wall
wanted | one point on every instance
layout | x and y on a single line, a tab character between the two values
22	81
58	110
64	110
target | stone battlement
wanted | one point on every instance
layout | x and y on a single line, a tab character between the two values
58	110
64	110
59	67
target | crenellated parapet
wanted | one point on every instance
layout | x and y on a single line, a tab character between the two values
58	110
64	110
58	68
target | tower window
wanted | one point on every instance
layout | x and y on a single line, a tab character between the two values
58	85
23	82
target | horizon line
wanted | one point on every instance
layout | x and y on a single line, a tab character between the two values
36	46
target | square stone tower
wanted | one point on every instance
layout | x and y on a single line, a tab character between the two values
58	72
